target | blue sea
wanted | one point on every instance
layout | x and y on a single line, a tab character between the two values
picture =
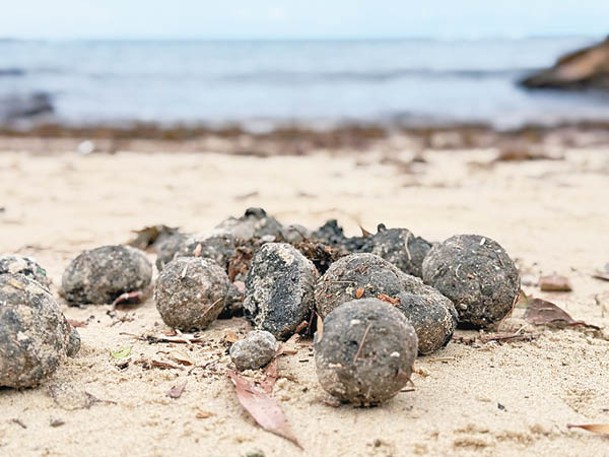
316	82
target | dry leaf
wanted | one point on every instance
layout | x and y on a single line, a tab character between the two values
555	283
177	391
204	414
77	324
181	357
148	236
263	408
231	336
543	312
594	428
388	299
359	292
365	233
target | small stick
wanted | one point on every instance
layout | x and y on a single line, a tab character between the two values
361	344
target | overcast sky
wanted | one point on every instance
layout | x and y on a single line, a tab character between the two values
276	19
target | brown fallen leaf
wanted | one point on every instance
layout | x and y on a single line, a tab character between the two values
594	428
543	312
149	236
77	324
555	283
386	298
264	409
176	391
204	414
359	292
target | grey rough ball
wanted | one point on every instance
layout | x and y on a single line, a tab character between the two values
279	289
478	276
433	317
255	223
168	247
218	248
361	275
190	293
34	334
400	247
101	275
25	266
254	351
366	352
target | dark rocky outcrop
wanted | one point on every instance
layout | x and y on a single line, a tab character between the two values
587	68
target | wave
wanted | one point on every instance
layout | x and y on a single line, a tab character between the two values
295	77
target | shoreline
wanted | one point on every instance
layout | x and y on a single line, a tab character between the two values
298	139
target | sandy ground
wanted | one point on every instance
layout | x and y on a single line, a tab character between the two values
482	399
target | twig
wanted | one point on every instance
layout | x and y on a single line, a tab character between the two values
361	343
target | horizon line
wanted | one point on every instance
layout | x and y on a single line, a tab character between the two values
505	37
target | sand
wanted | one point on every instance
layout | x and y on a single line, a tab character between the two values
493	399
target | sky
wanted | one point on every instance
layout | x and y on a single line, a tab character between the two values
296	19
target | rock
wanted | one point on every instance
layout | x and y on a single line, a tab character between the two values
190	293
254	351
26	266
587	68
101	275
360	276
400	247
478	276
18	107
34	335
279	289
366	352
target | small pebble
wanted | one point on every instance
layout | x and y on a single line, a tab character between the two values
190	293
478	276
101	275
34	334
254	351
366	352
279	289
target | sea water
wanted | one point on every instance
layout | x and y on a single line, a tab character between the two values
380	81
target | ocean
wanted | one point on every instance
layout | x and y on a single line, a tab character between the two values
261	83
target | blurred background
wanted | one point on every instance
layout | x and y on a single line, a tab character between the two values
263	63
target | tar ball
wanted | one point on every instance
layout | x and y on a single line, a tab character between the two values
361	275
255	223
190	293
25	266
365	353
478	276
168	247
34	334
254	351
101	275
399	247
279	289
433	317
